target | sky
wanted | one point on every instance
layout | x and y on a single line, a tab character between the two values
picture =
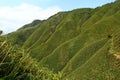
16	13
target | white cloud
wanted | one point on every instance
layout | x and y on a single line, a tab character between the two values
11	18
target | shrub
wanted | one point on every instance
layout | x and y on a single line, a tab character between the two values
16	64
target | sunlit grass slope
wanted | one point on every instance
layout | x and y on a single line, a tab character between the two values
83	44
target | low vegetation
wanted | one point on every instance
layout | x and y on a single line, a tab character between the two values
16	64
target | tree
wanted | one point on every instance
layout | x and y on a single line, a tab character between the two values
1	32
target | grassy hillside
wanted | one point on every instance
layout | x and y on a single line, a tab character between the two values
101	66
69	26
82	44
45	30
21	35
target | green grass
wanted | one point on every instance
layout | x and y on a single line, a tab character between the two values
21	35
16	64
67	27
101	66
83	55
78	43
68	49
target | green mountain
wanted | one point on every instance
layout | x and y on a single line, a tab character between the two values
21	35
82	44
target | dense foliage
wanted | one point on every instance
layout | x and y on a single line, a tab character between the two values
15	64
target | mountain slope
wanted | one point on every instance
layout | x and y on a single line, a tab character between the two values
78	43
100	66
65	27
21	35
